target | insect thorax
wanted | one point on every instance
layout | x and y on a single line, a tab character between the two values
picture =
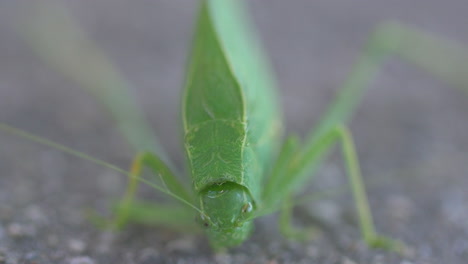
214	150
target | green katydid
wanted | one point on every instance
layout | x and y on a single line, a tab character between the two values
232	128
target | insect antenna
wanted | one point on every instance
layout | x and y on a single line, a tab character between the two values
45	142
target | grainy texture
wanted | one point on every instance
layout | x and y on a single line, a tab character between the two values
410	132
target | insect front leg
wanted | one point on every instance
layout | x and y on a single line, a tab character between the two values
274	188
172	215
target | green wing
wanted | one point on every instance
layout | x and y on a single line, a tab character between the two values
230	108
252	70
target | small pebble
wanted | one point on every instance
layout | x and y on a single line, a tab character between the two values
31	257
76	246
17	230
222	258
81	260
185	244
35	214
346	260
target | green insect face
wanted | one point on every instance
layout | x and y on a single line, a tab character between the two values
228	208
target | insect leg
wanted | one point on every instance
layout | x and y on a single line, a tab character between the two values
298	165
273	182
288	229
129	210
444	58
73	54
171	215
369	234
441	57
384	41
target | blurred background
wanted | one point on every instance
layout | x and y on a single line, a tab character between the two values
410	131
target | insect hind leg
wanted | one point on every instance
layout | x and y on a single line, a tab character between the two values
342	134
299	166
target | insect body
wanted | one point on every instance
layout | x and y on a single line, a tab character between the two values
232	132
230	125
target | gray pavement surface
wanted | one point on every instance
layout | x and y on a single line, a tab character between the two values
410	132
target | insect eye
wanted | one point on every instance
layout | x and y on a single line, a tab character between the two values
247	208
